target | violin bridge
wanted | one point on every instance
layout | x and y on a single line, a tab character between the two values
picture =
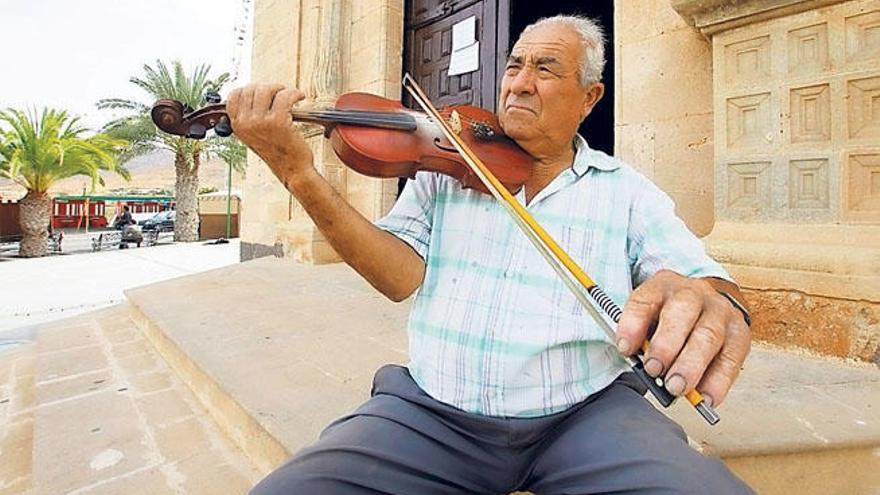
455	122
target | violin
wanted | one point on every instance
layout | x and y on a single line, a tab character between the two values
379	137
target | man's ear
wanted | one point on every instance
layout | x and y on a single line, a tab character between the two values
593	94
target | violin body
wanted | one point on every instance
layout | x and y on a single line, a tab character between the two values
379	137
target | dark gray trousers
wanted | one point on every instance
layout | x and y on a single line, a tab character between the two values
402	441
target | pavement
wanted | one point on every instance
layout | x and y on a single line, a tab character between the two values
38	290
88	407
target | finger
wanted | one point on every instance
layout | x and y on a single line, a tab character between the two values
233	103
726	366
639	314
677	317
703	344
283	104
285	100
263	96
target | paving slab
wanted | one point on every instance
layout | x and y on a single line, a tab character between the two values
276	350
16	418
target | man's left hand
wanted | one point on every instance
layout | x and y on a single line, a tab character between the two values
701	340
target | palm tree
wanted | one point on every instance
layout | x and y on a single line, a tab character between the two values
144	137
36	151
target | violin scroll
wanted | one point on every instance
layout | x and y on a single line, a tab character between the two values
171	116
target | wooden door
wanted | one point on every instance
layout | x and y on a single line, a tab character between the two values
428	47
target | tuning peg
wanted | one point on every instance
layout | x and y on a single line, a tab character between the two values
222	128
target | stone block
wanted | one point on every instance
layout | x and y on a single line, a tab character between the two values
635	144
87	383
60	339
664	77
151	480
207	473
60	364
138	364
827	326
147	383
695	209
811	473
163	407
15	452
182	439
81	441
683	155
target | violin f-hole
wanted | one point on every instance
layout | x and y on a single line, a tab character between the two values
438	142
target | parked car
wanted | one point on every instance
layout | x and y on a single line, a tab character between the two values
164	220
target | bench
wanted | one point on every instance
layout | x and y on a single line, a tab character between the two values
108	240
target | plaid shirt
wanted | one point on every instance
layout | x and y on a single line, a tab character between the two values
492	330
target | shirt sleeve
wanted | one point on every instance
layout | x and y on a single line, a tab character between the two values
659	240
411	217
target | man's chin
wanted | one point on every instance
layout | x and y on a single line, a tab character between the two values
518	131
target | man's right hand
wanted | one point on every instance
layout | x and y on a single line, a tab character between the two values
260	117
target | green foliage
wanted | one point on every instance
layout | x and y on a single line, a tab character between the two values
206	190
137	128
38	149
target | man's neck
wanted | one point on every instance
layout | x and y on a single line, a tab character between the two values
547	167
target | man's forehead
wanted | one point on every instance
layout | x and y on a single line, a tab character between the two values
551	41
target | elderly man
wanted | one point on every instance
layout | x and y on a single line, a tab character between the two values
510	385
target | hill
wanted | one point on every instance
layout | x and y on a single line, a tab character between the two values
153	171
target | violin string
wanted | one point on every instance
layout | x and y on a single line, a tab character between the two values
367	117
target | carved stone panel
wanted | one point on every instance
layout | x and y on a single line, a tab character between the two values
808	183
801	91
748	185
808	49
863	36
863	186
811	114
748	121
747	60
863	108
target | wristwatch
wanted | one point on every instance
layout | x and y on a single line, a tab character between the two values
736	304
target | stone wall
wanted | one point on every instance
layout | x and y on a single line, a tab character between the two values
663	104
325	48
796	89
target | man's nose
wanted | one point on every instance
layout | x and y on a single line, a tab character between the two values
524	81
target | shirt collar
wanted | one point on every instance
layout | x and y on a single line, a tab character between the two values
586	157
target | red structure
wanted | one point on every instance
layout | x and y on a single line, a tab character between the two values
72	213
10	229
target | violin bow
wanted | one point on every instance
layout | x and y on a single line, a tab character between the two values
565	267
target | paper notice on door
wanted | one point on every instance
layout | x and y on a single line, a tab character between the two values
464	60
464	33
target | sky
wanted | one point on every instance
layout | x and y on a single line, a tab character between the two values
69	54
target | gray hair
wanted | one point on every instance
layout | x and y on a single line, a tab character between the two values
592	37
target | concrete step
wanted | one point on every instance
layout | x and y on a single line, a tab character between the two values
276	350
108	416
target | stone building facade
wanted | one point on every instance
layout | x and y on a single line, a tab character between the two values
760	118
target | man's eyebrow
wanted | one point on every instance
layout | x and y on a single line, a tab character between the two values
544	60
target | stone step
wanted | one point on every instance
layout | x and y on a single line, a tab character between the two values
277	350
108	416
